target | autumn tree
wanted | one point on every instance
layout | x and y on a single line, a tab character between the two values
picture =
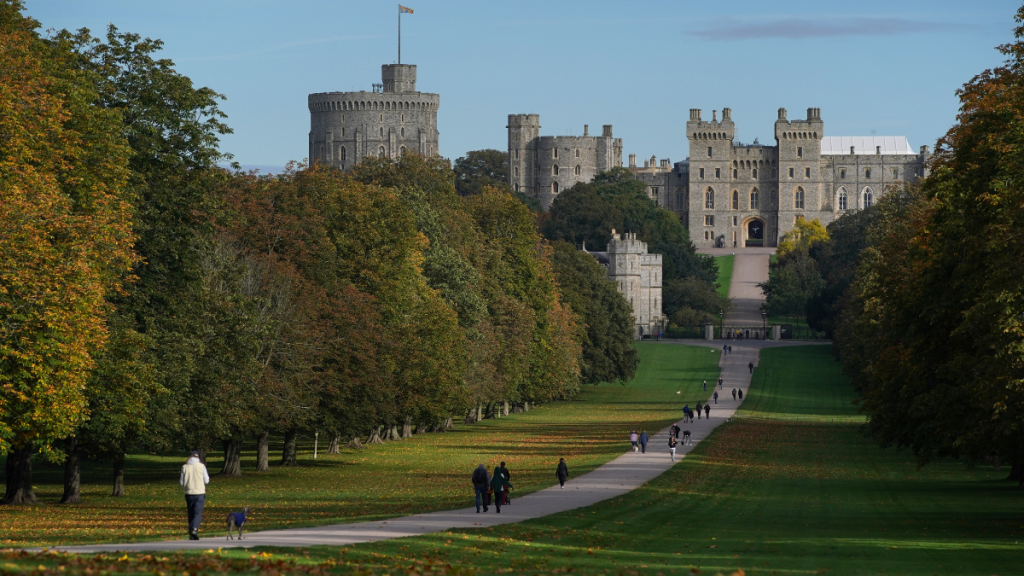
67	243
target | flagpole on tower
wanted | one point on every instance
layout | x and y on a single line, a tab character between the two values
399	33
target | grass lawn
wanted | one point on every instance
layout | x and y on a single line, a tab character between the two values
770	493
724	273
427	472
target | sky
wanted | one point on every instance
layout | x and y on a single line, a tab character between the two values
874	67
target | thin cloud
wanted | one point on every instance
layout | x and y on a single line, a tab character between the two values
798	28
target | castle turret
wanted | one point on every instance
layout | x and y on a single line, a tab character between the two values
523	132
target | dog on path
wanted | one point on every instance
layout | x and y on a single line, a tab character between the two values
236	520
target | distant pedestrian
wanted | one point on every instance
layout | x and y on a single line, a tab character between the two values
730	350
633	439
707	411
508	478
194	479
705	385
719	383
659	335
716	397
500	486
687	439
725	349
562	472
672	446
698	410
751	366
734	394
481	480
740	392
675	430
643	441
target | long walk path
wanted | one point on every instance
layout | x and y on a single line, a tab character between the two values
625	473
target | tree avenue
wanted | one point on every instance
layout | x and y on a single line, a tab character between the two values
152	301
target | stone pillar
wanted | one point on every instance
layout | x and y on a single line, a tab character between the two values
709	331
776	332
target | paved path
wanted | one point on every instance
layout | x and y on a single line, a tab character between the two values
625	473
750	268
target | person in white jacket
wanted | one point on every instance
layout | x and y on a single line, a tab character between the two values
194	479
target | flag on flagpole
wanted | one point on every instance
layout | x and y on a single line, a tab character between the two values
404	10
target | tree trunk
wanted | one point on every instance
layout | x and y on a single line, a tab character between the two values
202	455
448	424
118	491
480	411
263	452
505	410
291	448
72	476
19	477
407	429
1016	472
335	447
355	443
232	457
526	406
374	436
393	434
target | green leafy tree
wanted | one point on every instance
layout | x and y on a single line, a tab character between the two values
608	354
480	168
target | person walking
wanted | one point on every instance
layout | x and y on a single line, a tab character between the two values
675	430
720	383
481	479
725	349
508	477
751	366
687	414
716	397
562	472
707	411
672	446
730	350
643	442
734	394
194	479
633	439
500	486
705	385
698	410
740	392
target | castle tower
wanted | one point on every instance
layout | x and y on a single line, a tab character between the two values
710	174
801	192
388	121
523	132
637	276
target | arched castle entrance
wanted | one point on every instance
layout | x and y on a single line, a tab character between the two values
754	232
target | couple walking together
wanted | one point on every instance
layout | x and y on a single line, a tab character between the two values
487	485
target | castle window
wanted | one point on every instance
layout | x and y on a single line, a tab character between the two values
753	199
517	154
842	201
895	173
753	174
867	198
709	199
807	172
798	199
403	117
773	173
401	151
718	173
344	154
403	132
867	172
701	173
579	170
735	200
709	220
679	198
554	170
383	153
381	117
554	187
517	188
735	173
709	151
799	152
842	174
516	171
577	152
554	152
342	132
705	234
735	219
381	131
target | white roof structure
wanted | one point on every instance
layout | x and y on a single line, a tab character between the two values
834	145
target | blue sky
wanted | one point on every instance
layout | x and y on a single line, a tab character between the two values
873	67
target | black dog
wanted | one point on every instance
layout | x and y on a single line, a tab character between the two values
236	520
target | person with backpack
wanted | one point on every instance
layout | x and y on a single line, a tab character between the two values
740	392
698	410
480	482
499	486
562	472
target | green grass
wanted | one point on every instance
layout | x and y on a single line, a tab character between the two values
427	472
724	273
770	496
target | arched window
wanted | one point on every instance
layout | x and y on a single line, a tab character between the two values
401	151
679	198
867	198
842	201
344	154
577	152
383	153
403	132
774	173
579	170
798	199
753	199
322	153
867	172
554	187
735	200
554	170
516	171
709	199
381	131
754	175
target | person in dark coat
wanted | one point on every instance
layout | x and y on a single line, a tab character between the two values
751	366
508	477
643	442
562	472
707	411
740	392
698	410
716	397
734	394
675	430
480	482
705	385
719	383
500	486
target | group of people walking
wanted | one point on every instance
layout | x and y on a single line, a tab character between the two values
492	488
689	413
